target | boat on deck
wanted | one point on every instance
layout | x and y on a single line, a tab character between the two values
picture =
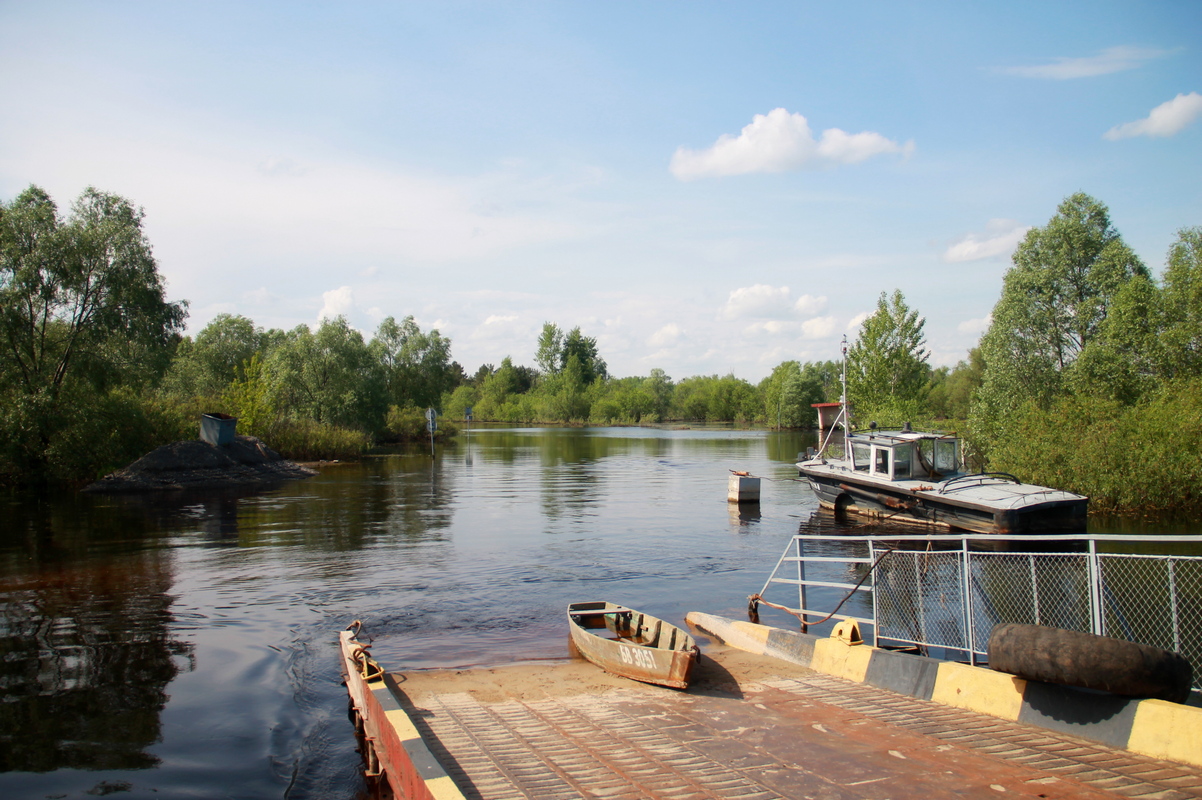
918	477
632	644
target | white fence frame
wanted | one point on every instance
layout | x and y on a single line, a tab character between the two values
974	610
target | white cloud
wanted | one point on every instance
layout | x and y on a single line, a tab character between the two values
773	327
1110	60
498	319
1000	238
1167	119
759	300
808	304
778	142
818	328
858	320
975	325
338	302
666	336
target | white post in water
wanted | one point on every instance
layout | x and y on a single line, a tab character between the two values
743	489
431	426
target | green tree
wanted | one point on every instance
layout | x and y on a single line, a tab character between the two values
716	399
887	365
82	312
564	395
584	350
788	394
1123	360
1182	306
417	365
81	298
951	391
248	397
659	386
329	376
498	390
217	357
1055	297
549	356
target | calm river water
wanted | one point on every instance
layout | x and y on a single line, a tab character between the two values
185	646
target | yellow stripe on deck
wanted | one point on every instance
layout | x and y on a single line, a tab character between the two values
403	726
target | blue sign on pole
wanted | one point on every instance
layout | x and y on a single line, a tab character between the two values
431	420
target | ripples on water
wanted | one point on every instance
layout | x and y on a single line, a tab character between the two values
185	646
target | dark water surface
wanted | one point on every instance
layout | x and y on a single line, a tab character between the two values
185	645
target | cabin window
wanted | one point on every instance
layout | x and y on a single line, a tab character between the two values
947	456
861	456
902	455
880	461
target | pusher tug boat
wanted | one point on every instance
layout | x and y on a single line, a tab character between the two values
917	477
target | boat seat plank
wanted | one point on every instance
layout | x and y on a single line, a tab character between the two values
592	612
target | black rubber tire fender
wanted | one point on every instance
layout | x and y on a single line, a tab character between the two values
1074	658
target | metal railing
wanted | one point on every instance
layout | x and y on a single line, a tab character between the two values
948	591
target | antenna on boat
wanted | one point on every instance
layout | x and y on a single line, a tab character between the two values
844	416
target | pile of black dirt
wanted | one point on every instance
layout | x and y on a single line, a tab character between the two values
197	464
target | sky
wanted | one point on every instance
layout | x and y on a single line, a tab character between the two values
705	188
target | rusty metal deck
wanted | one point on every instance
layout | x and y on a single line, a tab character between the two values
750	727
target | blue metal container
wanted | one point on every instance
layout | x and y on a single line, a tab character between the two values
218	429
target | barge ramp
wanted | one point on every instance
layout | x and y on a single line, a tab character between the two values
750	727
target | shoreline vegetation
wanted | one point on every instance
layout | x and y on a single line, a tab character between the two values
1089	377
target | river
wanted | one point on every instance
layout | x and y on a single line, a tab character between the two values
184	645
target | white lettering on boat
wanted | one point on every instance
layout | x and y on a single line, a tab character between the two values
637	656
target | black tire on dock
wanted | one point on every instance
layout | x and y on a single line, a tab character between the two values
1073	658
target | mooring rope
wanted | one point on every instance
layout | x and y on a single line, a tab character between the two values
743	474
755	599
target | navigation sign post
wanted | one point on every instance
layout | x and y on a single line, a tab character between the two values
431	426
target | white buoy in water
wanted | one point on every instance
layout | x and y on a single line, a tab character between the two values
743	489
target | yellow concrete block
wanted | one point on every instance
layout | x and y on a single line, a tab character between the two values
1167	730
979	689
841	660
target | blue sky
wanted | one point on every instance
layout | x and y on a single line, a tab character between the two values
706	188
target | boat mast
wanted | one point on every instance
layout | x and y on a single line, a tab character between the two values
844	415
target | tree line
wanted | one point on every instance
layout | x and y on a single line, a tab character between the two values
1088	361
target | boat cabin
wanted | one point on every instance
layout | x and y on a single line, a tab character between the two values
904	455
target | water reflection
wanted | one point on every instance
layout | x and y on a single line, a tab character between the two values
86	647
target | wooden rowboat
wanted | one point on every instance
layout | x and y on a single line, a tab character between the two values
632	644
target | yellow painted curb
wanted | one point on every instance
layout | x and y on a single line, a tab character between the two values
1167	730
981	690
842	660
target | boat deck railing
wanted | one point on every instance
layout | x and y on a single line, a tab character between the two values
946	592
